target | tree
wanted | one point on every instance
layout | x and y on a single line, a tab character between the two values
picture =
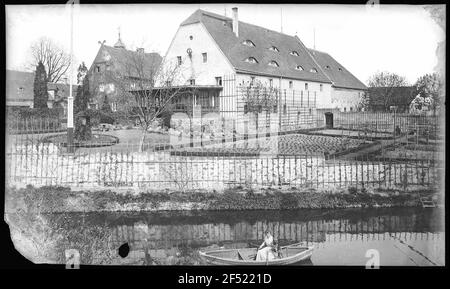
386	84
258	98
56	61
145	88
81	112
40	88
429	87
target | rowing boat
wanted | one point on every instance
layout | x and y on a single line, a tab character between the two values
290	254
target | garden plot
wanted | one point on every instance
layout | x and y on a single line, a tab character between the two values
294	144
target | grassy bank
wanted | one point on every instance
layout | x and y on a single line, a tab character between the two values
58	199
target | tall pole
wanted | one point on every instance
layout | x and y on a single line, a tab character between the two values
70	148
281	19
314	32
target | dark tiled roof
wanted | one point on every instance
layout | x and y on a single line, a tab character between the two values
15	80
220	28
124	61
402	95
340	78
25	80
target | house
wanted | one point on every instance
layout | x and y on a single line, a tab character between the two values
385	98
19	88
114	70
20	91
214	51
347	91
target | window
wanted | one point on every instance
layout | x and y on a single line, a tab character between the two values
97	68
298	67
291	84
180	61
327	67
205	57
306	86
351	108
273	63
310	111
340	69
191	37
284	109
219	81
252	80
168	83
271	82
345	109
251	60
191	81
249	43
295	53
51	95
321	87
313	70
273	48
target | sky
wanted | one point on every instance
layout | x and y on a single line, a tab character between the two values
395	38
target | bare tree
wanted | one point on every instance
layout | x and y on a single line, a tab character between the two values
145	88
258	98
54	58
386	82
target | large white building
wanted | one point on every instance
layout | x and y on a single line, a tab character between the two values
209	46
213	51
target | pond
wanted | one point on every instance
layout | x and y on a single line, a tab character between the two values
402	236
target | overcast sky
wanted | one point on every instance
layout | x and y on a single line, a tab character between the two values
400	39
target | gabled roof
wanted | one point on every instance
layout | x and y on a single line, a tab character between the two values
124	60
220	28
19	85
338	74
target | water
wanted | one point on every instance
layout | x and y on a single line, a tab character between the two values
407	236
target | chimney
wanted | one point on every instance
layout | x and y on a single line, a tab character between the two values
235	21
140	50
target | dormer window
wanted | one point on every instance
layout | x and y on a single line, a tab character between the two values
327	67
251	60
313	70
273	48
295	53
340	69
274	63
249	43
298	67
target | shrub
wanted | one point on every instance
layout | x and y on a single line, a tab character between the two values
352	190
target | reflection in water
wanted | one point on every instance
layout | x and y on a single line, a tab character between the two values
341	237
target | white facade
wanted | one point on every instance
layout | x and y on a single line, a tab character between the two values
196	38
346	100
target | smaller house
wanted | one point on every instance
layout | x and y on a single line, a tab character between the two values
385	98
19	88
20	91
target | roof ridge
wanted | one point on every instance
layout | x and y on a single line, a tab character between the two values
214	15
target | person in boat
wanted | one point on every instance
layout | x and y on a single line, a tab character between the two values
265	251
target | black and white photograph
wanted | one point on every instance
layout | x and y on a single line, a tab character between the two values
225	135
